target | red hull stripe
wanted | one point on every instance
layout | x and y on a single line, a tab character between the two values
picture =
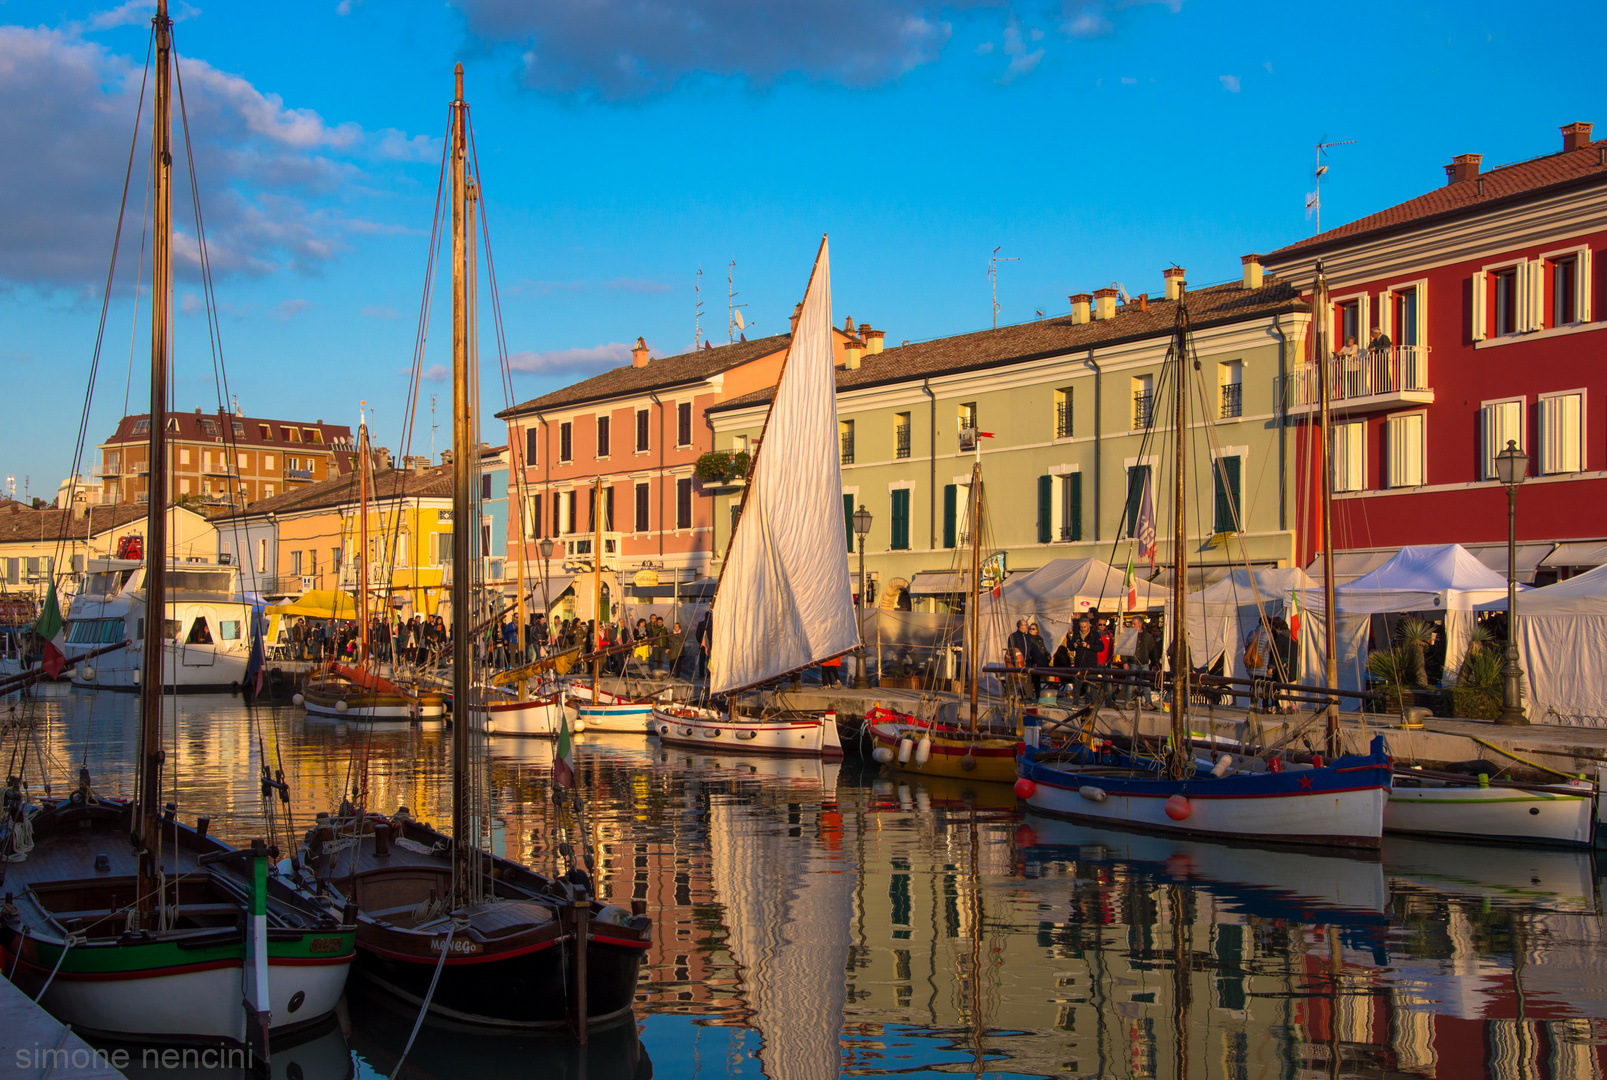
624	943
184	969
455	961
1191	795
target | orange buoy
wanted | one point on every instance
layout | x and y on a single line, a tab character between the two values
1178	808
1025	788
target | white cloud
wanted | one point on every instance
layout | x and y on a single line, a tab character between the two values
1268	66
1021	61
1128	80
380	313
1230	83
436	373
289	309
572	361
984	48
1089	24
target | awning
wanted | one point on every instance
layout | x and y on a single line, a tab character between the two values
699	589
1350	565
320	604
943	583
1578	553
1529	555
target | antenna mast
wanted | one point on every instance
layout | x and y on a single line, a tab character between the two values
733	310
1314	200
432	429
697	291
993	280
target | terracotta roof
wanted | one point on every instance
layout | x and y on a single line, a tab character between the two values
658	375
1525	179
191	429
388	484
1211	306
20	523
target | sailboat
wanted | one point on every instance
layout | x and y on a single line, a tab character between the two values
442	923
356	690
782	602
117	918
912	744
1339	801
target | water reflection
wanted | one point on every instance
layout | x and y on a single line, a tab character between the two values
815	920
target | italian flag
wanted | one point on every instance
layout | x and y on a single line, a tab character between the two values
1130	583
51	631
1294	614
563	766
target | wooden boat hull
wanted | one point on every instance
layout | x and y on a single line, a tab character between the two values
341	700
1340	805
807	736
1513	815
956	755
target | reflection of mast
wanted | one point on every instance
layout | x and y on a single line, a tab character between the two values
1181	969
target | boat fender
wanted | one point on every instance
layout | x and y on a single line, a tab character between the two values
745	735
86	673
1275	764
1025	788
1179	808
685	731
297	699
923	750
923	800
580	726
1317	761
340	706
1223	764
906	801
711	733
1092	793
968	762
882	754
906	746
663	729
612	915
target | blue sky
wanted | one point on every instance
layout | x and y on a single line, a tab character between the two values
622	146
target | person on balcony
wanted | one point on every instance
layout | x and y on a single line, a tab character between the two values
1348	368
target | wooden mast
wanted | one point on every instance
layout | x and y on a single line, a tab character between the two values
147	830
1182	753
597	589
975	600
463	861
1326	479
362	537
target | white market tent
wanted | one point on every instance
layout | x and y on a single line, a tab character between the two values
1054	596
1562	638
1222	616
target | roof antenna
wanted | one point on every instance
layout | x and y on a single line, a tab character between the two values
432	429
734	319
697	291
993	280
1314	197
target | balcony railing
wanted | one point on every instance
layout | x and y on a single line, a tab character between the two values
901	441
298	474
1143	409
1062	419
221	470
1401	370
1232	400
577	548
848	449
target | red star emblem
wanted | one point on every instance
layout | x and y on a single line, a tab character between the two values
1305	782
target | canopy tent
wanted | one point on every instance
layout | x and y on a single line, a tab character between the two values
1054	596
1562	636
1578	553
1222	616
1529	558
1350	565
1422	578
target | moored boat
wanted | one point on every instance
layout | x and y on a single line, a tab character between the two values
351	693
930	748
807	734
608	712
1470	809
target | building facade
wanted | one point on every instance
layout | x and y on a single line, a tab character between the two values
1485	292
1070	416
41	545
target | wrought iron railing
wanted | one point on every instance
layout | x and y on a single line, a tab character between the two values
848	449
1232	400
1363	373
1062	419
901	441
1143	409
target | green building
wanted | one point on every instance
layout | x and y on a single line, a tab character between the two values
1078	410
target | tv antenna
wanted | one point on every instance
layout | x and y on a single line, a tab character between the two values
993	279
432	429
1314	198
733	310
697	292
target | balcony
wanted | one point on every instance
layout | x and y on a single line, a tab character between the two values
378	576
298	474
901	441
220	469
1143	409
1365	381
578	548
1232	401
1062	419
847	449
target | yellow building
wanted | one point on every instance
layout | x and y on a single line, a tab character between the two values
36	545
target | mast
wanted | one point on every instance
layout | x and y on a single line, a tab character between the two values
362	537
1325	420
1182	755
597	587
463	861
975	601
148	835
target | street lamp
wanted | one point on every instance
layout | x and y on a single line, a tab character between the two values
1511	466
862	521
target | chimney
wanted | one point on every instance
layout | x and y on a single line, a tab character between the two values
1462	167
1174	281
1141	301
1575	136
853	349
797	313
872	339
848	325
1252	271
1104	303
1079	307
639	352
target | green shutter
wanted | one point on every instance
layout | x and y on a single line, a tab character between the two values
848	520
950	514
1227	493
901	518
1074	506
1046	502
1136	475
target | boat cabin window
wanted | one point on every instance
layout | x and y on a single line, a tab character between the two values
229	629
199	633
94	631
211	581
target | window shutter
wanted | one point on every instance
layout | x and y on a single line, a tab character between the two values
1535	294
1491	434
901	518
1386	320
949	514
1355	463
1480	291
1582	304
1046	498
1074	505
1227	494
1135	497
848	520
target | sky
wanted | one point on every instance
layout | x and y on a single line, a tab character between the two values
623	146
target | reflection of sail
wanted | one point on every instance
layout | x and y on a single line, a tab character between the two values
787	914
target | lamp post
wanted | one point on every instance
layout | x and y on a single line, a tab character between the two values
862	521
546	572
1511	466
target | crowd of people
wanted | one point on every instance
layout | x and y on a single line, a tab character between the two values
420	640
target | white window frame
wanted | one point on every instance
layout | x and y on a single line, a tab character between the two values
1545	436
1354	455
1057	498
1487	452
1386	312
1422	449
1364	318
1582	285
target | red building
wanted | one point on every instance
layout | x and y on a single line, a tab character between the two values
1485	292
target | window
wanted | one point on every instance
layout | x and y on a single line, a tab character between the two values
1231	390
1063	413
209	426
1069	490
334	560
1046	506
184	455
1143	401
845	435
901	435
968	416
266	432
1229	510
239	428
229	629
314	435
951	515
1564	285
267	491
683	424
1562	433
443	548
532	445
267	462
262	555
602	437
1347	323
1499	422
312	561
142	427
242	460
643	443
1404	435
901	519
173	424
683	502
566	432
1349	466
1405	315
643	503
1504	286
295	562
184	486
1137	479
848	520
533	520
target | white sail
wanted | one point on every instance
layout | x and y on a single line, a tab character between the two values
784	600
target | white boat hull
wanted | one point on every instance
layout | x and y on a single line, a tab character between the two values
620	719
396	714
1494	813
538	717
185	668
814	736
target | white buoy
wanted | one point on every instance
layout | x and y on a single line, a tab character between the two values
298	700
882	755
340	706
1223	764
906	746
1091	793
86	672
923	750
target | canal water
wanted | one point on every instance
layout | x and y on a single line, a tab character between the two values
819	920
